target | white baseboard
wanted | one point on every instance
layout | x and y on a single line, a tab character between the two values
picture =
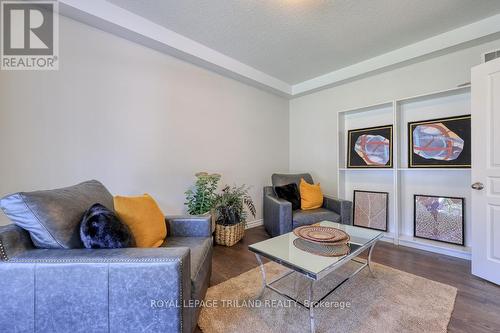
254	223
449	250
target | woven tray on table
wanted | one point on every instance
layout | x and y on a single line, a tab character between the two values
321	234
229	235
323	250
322	241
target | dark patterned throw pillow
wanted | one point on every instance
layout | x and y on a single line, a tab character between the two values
289	192
102	229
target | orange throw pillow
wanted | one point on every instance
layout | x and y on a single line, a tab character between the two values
144	218
311	196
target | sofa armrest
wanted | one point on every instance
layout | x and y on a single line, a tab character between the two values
113	290
13	240
339	206
277	215
189	225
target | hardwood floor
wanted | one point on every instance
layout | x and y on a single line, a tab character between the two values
477	307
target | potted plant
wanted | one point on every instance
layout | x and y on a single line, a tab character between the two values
200	199
231	214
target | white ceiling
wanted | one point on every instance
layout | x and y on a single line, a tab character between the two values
297	40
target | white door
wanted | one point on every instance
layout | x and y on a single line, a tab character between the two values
486	171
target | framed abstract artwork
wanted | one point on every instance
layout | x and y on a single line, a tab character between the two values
371	209
370	147
439	218
440	143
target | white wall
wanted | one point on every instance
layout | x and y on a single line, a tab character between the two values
137	120
313	141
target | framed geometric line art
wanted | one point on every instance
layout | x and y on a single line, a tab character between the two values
371	209
370	147
439	218
440	143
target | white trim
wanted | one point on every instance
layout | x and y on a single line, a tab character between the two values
443	41
254	223
435	247
114	19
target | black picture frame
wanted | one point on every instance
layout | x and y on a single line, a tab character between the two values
386	209
438	196
460	125
354	160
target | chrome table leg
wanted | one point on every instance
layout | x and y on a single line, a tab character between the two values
311	306
370	268
263	272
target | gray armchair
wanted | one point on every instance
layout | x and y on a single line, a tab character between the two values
106	290
279	217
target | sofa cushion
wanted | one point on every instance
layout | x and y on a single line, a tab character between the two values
311	196
144	218
290	193
307	217
52	217
201	259
280	179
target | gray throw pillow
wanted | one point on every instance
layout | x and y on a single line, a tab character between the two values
52	217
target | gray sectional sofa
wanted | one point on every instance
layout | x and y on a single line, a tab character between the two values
105	290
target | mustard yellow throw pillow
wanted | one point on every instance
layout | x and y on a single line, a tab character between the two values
311	196
144	218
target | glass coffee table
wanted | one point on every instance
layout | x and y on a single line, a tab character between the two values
281	249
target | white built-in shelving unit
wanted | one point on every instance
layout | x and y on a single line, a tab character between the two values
400	181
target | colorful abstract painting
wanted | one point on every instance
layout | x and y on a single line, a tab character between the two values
370	147
371	209
440	143
439	218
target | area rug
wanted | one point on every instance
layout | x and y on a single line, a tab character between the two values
392	301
